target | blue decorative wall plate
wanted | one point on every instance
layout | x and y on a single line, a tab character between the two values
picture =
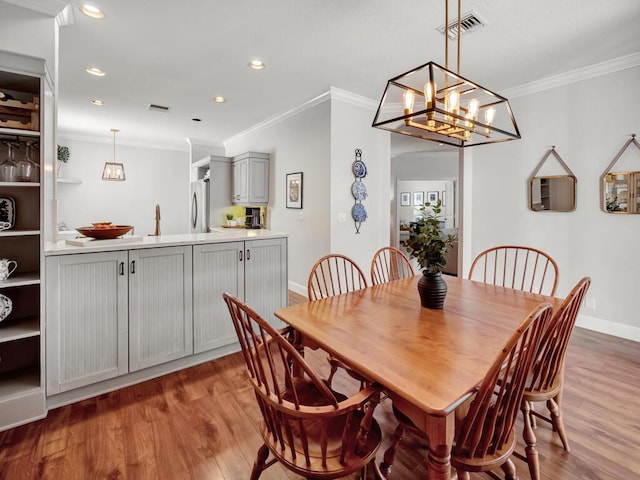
358	190
359	169
359	213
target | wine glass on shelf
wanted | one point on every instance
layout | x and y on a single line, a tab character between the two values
8	167
24	167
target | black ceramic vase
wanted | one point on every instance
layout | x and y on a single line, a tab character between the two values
432	289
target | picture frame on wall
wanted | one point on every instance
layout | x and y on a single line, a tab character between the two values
405	199
294	190
432	197
418	199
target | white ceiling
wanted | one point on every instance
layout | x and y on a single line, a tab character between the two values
182	53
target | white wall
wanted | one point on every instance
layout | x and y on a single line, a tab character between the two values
153	177
588	122
29	33
351	129
298	143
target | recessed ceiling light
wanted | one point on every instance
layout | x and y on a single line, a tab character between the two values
99	103
256	64
95	71
219	99
91	11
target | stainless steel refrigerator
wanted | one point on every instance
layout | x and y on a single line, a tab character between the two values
200	205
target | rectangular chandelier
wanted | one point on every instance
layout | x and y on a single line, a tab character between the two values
435	104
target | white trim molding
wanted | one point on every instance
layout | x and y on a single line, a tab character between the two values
603	68
608	327
332	94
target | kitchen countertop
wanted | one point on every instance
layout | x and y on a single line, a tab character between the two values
215	236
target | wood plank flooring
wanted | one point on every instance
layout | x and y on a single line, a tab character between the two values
200	423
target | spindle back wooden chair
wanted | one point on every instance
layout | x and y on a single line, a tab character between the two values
311	430
518	267
332	275
389	263
546	380
484	438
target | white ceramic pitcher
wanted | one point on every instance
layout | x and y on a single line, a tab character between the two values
7	267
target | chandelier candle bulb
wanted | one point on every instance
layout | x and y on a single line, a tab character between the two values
488	118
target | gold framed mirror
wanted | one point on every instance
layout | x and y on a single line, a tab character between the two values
620	190
552	193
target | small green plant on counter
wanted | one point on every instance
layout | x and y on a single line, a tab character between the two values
229	216
427	243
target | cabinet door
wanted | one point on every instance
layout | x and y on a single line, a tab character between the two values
266	277
217	268
160	306
258	180
86	319
241	181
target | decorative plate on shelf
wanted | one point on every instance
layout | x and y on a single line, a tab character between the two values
359	213
7	212
358	190
5	306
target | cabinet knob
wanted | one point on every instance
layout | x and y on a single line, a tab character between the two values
133	266
248	254
240	254
121	268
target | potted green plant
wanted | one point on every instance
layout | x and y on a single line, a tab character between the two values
429	245
63	157
230	221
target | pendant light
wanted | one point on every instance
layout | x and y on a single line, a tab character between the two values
433	103
112	170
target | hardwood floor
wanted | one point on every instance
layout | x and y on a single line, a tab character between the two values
200	423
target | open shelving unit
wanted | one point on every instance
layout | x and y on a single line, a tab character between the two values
22	393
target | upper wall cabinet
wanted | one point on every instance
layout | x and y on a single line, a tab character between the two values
251	179
620	188
552	193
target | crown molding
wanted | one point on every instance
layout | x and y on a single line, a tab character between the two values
603	68
62	135
332	94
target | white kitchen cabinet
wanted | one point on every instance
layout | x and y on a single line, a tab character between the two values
251	179
116	312
160	312
22	122
87	312
254	271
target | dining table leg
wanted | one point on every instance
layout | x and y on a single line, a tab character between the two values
439	430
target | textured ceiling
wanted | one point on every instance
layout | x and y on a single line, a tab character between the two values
182	53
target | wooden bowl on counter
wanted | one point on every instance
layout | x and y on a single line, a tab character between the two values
105	231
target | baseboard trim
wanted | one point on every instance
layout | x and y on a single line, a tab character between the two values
616	329
297	288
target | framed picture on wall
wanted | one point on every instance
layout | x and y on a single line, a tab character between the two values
294	190
432	197
405	199
442	197
418	199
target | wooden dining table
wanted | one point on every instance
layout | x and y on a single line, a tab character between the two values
430	361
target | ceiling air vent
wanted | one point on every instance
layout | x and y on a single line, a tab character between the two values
158	108
468	22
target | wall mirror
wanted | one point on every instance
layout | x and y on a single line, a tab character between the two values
552	193
620	190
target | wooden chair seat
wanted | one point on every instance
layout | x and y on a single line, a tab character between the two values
518	267
308	428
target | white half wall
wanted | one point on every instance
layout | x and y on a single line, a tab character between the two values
588	122
153	177
350	130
